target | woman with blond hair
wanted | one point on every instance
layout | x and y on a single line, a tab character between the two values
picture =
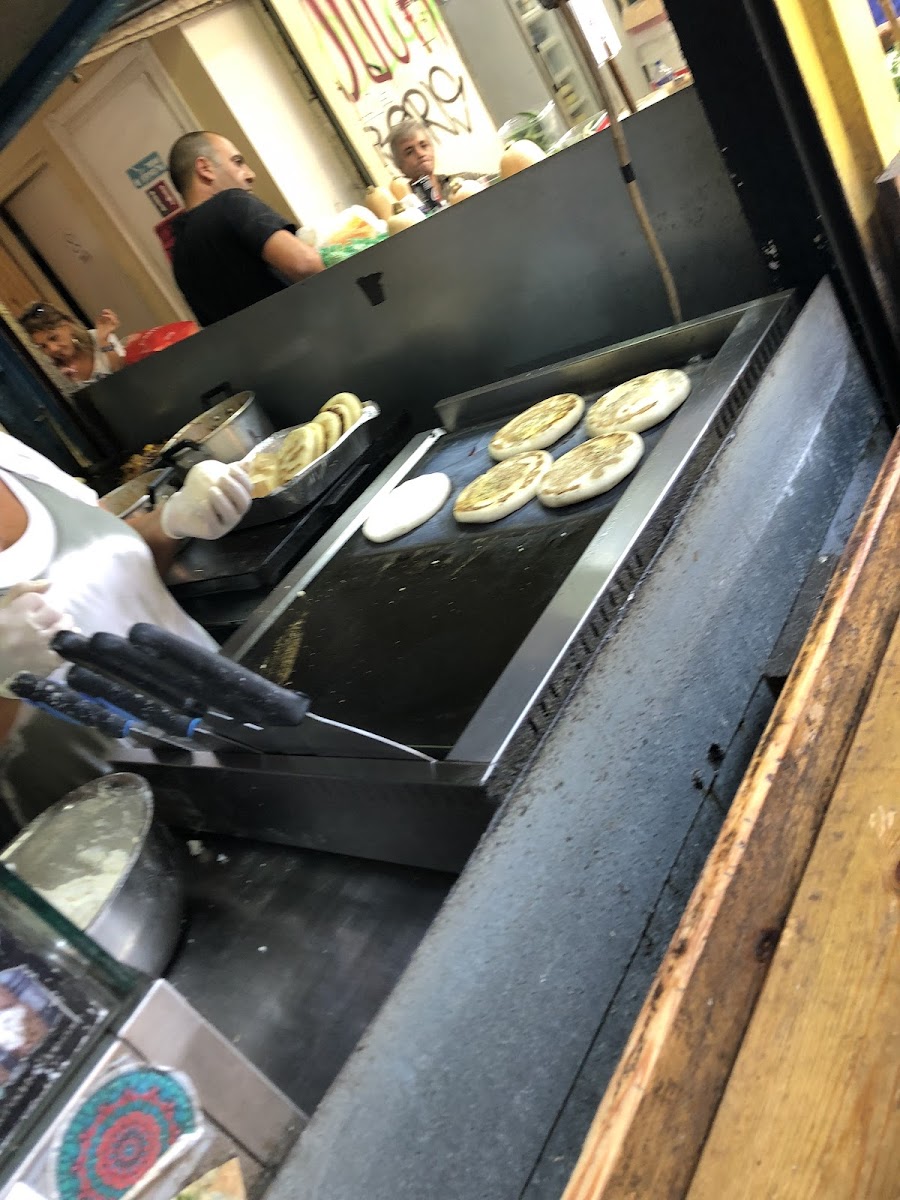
82	355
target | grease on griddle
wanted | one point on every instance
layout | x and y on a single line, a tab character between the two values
278	665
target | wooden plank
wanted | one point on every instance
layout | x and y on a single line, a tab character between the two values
649	1130
812	1107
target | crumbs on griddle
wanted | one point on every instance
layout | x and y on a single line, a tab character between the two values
281	660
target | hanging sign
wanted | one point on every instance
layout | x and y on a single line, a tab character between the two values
376	62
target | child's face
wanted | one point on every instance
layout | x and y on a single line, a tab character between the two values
57	343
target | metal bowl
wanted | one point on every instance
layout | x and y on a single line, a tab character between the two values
227	431
100	859
128	497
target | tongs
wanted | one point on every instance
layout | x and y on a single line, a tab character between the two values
195	698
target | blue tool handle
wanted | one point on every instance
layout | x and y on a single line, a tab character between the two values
220	683
65	704
151	711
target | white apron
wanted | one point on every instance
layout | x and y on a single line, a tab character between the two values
102	573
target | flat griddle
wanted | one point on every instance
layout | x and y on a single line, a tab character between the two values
464	642
409	637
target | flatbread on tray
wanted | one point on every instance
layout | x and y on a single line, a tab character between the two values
591	469
503	489
332	426
301	447
537	427
347	406
640	403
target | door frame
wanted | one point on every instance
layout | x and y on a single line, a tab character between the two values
124	67
19	248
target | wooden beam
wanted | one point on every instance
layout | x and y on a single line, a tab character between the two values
812	1107
648	1133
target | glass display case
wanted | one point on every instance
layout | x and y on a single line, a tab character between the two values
59	992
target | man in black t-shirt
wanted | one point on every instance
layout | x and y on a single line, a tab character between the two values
230	249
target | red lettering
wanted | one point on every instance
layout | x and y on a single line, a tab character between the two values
378	72
352	90
393	54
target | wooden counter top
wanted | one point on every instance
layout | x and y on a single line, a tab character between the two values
810	847
811	1107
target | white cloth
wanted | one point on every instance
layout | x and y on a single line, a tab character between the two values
31	555
20	459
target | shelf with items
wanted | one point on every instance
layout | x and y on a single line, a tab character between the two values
549	42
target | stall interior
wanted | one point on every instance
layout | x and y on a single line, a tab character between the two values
314	878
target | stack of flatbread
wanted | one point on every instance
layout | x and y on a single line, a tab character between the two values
269	471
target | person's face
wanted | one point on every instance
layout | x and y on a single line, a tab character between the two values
57	343
227	169
415	156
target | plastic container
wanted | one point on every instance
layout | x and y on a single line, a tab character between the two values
544	128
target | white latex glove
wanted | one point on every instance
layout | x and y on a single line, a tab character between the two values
214	498
28	623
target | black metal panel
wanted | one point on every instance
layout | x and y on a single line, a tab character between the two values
290	953
395	812
542	266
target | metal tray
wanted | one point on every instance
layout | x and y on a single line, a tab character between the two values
310	483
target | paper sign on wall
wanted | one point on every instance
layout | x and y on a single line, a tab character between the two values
150	167
162	196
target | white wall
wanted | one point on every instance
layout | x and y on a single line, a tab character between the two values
498	59
629	59
657	44
268	97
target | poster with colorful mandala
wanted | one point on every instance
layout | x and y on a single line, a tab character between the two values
137	1120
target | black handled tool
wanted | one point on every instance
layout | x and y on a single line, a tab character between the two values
116	657
240	710
67	705
221	683
228	689
146	708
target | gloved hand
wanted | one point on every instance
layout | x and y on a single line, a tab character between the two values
214	498
28	623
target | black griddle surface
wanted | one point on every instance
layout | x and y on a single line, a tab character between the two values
406	639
